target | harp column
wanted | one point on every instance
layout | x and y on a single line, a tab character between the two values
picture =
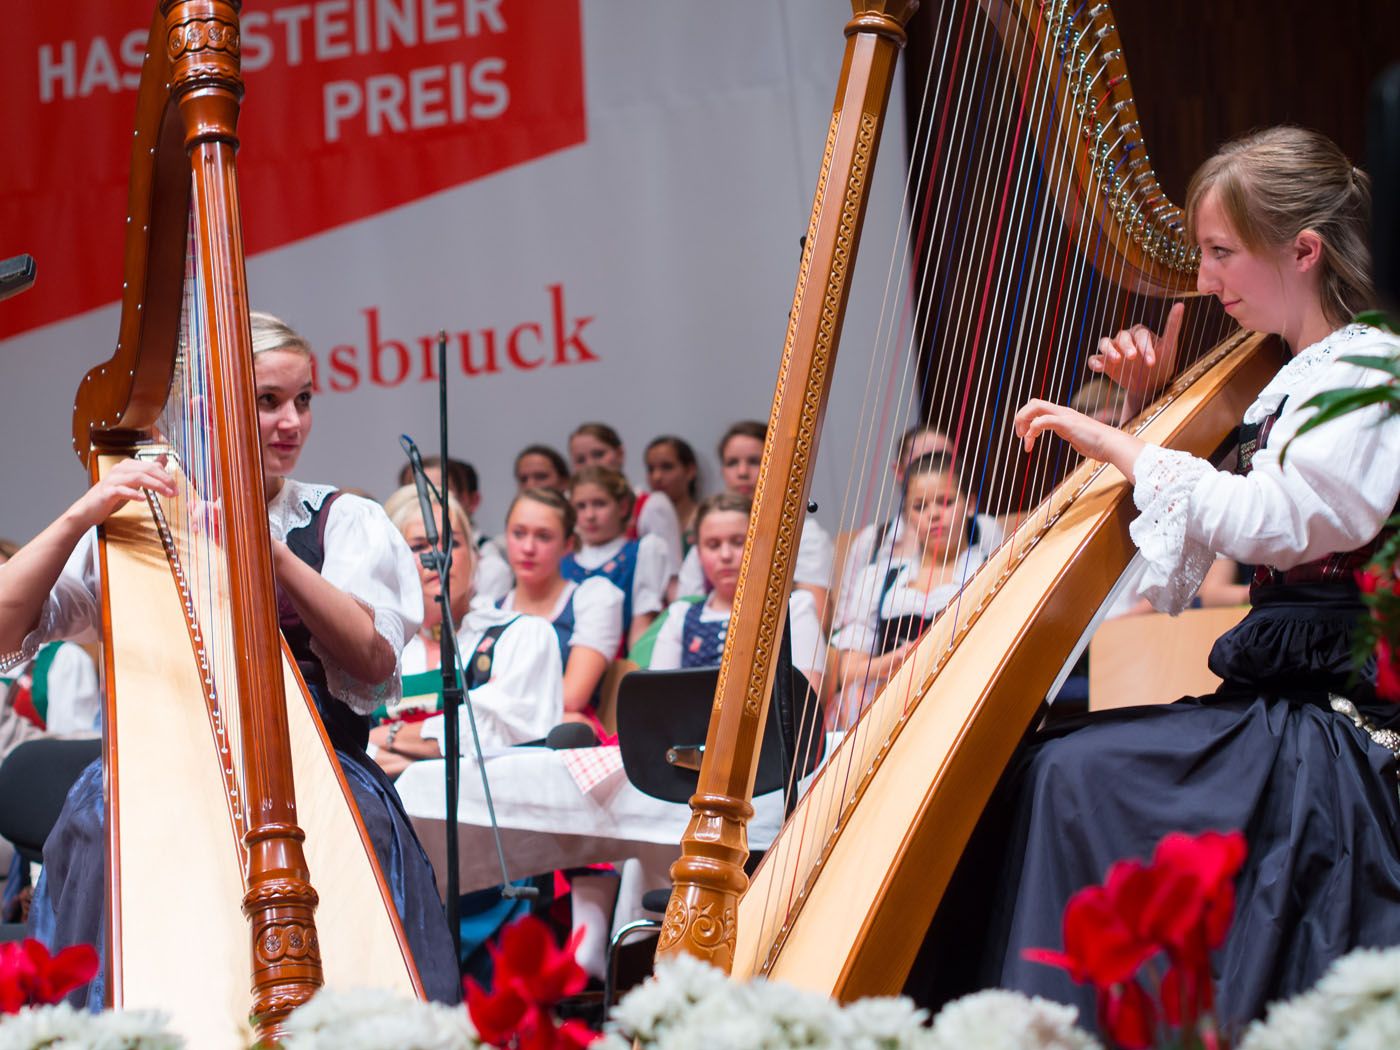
709	877
202	44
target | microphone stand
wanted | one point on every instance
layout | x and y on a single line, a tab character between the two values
438	559
449	660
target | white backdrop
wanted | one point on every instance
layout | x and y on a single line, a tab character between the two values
673	229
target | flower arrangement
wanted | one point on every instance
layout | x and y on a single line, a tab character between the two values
1177	908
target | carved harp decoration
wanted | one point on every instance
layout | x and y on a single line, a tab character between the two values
208	726
1038	227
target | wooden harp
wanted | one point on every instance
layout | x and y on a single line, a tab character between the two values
843	898
223	792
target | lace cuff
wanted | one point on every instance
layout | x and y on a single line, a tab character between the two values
1176	564
349	690
45	631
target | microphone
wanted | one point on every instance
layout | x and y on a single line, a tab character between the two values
16	275
568	735
420	481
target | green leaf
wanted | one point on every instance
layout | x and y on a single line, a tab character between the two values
1376	319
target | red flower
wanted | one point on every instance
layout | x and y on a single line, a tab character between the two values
1194	895
1387	672
531	977
29	976
1180	904
497	1015
1128	1016
527	960
1100	947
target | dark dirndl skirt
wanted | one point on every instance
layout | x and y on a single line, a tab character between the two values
1317	799
69	904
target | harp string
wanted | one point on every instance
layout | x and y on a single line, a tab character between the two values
1012	282
195	523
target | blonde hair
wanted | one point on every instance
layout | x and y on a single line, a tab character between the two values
403	508
1274	184
273	333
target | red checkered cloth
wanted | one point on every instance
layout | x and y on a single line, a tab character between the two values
592	766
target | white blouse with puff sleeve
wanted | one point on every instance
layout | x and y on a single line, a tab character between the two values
367	558
1336	488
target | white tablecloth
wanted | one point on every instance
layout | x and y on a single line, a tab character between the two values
547	823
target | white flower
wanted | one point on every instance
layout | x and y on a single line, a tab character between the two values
62	1027
1357	983
1378	1030
1301	1023
998	1020
374	1019
885	1024
1355	1006
689	1005
670	998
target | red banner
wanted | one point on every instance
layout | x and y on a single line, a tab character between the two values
352	107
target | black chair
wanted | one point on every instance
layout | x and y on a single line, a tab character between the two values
663	718
34	782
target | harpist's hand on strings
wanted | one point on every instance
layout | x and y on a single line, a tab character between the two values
1088	436
1139	360
123	483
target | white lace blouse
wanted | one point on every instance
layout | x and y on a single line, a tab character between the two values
1336	489
364	556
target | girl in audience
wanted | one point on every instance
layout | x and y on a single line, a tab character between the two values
694	632
352	596
652	514
586	616
893	601
602	502
511	664
879	542
672	470
740	453
541	467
